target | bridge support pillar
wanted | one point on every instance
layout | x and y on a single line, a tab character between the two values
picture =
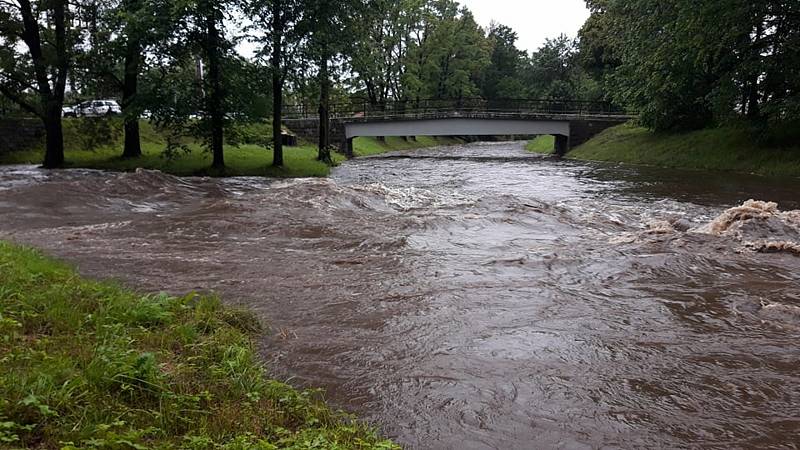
561	145
347	147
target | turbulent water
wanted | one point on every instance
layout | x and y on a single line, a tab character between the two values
476	297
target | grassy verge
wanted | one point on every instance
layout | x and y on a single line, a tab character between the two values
241	160
728	149
244	160
90	365
542	144
366	146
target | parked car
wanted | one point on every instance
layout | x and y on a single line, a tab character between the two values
68	111
97	108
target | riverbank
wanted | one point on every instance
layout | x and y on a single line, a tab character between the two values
91	365
246	159
730	149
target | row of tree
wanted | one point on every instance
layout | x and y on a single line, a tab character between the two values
697	63
681	63
178	61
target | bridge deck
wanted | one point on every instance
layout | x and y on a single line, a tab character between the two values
528	109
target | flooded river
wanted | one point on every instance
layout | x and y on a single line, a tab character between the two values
476	297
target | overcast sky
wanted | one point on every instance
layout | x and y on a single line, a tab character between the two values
533	20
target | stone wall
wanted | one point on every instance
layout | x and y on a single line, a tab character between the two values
20	134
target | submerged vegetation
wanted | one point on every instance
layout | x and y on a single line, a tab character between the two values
90	365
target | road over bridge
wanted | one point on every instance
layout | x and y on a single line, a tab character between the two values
571	122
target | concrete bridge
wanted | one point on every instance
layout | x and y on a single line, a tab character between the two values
571	122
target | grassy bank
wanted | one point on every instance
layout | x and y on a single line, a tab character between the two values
727	149
90	365
366	146
542	144
246	159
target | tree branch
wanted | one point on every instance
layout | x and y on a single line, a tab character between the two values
16	98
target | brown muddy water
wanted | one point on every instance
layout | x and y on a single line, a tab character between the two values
476	297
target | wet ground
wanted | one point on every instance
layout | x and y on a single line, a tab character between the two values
478	296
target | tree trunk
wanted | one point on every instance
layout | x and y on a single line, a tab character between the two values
54	140
52	99
215	95
277	84
130	86
324	112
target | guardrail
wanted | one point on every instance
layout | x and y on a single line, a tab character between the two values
453	107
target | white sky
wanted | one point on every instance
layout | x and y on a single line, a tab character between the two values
533	20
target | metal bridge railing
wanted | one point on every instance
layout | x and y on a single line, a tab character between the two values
449	107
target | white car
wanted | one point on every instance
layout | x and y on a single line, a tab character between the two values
68	111
97	108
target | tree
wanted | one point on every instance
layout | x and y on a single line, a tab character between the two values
379	55
36	78
210	15
447	55
203	50
552	73
327	26
121	34
691	64
277	19
502	78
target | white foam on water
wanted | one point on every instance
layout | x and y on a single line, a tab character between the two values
408	198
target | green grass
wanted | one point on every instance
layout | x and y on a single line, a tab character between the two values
242	160
367	146
726	148
542	144
245	160
90	365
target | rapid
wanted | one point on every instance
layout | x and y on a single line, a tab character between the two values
476	296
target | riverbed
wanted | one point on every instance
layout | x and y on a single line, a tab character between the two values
476	296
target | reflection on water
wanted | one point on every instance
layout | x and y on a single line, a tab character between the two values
476	296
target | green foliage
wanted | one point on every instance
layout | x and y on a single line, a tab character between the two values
448	54
32	71
96	132
87	365
688	64
502	78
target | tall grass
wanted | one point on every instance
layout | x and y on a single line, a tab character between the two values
90	365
